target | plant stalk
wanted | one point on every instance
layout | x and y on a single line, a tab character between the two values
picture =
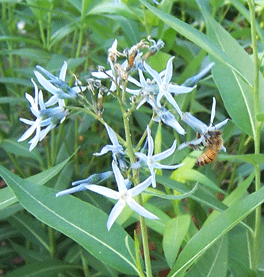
255	260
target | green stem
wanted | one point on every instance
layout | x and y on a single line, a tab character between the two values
256	134
144	235
42	33
76	163
49	25
131	155
14	160
52	143
52	243
84	263
10	43
80	39
240	150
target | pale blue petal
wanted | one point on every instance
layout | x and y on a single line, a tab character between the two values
104	150
140	187
34	141
163	166
179	89
113	86
49	87
169	119
29	131
173	103
121	161
142	79
52	101
168	73
41	101
63	70
102	75
116	211
142	156
119	178
94	178
71	190
142	102
78	89
31	101
133	91
103	191
45	131
36	92
112	135
194	79
153	176
46	122
219	125
140	210
193	142
153	73
46	84
165	154
162	73
159	96
26	121
194	123
46	72
136	165
134	81
213	112
150	142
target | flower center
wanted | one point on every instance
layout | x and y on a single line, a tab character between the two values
124	196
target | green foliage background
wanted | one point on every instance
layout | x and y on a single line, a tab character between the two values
218	230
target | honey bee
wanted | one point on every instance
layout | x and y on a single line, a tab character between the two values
214	143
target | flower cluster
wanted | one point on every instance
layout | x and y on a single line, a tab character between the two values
157	93
52	112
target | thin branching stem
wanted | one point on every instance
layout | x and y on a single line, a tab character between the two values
255	260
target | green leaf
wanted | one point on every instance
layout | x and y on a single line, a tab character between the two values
161	194
194	175
255	159
10	209
31	229
120	9
96	264
13	100
239	254
214	230
156	225
17	81
32	53
45	269
20	149
40	8
31	256
20	39
245	12
129	28
8	198
193	35
199	195
214	262
235	196
174	234
260	117
230	84
62	33
80	221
